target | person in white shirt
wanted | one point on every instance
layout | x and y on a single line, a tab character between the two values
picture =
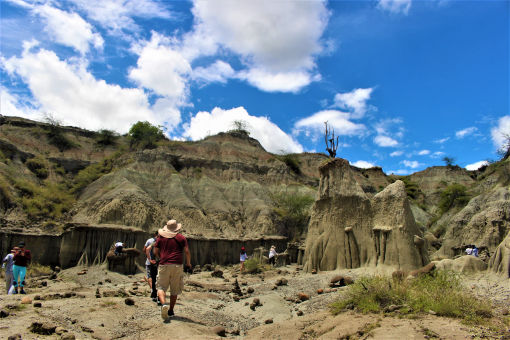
469	250
118	247
8	262
272	255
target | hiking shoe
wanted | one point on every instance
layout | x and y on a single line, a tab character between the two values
171	313
15	292
164	312
22	292
155	299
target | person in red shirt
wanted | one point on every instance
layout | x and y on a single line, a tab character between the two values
169	247
22	258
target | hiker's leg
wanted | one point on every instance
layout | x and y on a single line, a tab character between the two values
154	274
173	300
161	296
15	273
8	281
163	282
22	274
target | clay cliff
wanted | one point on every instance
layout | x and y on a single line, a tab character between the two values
348	229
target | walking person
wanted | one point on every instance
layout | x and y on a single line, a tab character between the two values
243	257
21	259
151	265
169	247
8	262
272	255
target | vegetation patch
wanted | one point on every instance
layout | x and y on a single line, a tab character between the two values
36	269
293	212
441	293
292	161
454	195
38	166
6	198
106	137
253	266
145	135
49	200
91	173
56	135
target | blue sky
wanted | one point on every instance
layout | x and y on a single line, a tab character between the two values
403	83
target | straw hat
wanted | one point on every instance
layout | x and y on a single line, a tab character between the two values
170	229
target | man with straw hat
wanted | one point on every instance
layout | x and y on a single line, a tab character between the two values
169	248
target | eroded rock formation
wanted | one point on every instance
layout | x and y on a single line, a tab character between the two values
500	261
348	229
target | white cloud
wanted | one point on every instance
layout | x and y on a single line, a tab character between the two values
465	132
442	140
12	105
270	136
411	164
277	41
401	172
337	120
501	132
356	100
72	95
363	164
385	141
424	152
396	153
161	68
476	166
69	28
218	72
117	15
395	6
437	154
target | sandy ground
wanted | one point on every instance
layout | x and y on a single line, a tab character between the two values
208	303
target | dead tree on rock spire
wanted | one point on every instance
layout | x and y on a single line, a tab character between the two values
331	143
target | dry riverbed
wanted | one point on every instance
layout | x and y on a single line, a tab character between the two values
93	303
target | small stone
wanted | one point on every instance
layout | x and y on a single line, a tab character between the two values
129	301
431	312
250	290
236	298
37	304
220	331
44	283
236	331
42	328
130	276
37	297
60	330
67	336
15	337
244	283
314	271
320	291
505	311
299	313
303	297
82	272
87	329
57	269
26	300
108	280
268	321
217	273
4	313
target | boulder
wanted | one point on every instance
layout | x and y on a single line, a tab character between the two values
42	328
425	270
500	262
349	229
463	264
219	331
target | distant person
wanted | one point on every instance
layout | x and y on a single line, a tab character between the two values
8	262
21	259
151	265
118	247
272	255
469	250
243	257
169	247
474	251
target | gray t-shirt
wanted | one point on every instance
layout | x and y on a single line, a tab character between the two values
9	261
149	243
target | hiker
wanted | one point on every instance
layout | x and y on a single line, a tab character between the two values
272	255
169	247
243	257
8	262
469	250
118	247
474	252
21	259
151	265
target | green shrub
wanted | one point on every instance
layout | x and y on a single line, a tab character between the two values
145	135
57	137
6	198
240	127
38	166
36	269
252	266
441	292
91	173
293	213
454	195
106	137
44	201
292	161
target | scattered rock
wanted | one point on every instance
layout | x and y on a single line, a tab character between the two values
44	283
26	300
340	281
320	291
219	331
303	297
505	311
431	312
108	280
57	269
37	304
281	282
98	293
53	276
87	329
42	328
244	283
268	321
208	267
392	308
299	313
255	303
129	302
37	297
83	272
425	270
67	336
237	289
236	298
250	290
4	313
217	273
15	337
60	330
314	271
